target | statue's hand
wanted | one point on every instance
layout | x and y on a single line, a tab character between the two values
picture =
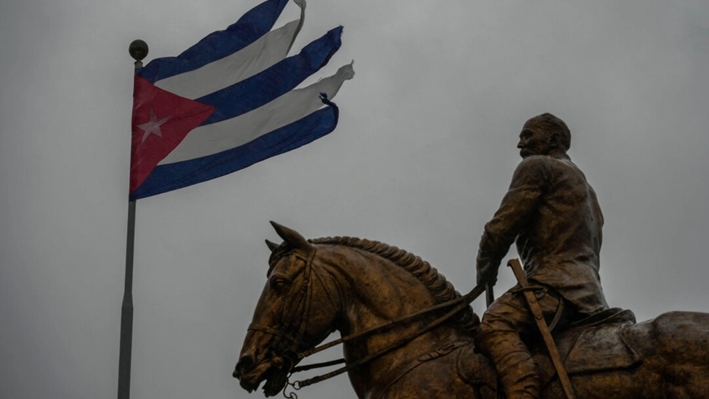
487	273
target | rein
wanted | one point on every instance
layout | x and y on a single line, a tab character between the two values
459	303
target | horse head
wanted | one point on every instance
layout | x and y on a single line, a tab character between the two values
285	322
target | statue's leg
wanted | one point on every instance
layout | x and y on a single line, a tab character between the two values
499	338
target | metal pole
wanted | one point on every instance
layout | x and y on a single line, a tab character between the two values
138	50
124	358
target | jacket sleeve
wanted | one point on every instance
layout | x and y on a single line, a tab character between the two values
519	204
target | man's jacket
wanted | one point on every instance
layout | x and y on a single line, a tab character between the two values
553	215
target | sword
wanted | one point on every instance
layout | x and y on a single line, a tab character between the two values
543	328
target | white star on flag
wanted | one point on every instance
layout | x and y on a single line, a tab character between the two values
153	125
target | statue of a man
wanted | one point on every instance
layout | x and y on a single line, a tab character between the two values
552	214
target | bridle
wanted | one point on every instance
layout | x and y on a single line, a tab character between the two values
300	302
457	304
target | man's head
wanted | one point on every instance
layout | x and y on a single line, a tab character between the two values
543	135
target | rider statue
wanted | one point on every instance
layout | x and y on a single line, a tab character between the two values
552	214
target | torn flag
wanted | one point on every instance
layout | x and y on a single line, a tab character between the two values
230	101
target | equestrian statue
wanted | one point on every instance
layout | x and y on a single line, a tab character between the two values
407	333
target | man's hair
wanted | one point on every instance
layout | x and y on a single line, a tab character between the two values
552	124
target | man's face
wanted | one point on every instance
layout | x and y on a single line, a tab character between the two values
533	140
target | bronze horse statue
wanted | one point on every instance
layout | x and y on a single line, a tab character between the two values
362	289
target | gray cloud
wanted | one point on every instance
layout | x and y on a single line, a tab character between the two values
421	158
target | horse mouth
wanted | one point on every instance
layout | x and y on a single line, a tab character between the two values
276	379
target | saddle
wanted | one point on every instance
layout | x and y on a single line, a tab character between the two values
597	343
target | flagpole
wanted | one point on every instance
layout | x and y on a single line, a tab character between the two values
138	49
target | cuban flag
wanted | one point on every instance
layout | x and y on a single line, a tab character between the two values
230	101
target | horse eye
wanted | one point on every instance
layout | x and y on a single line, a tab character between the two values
280	284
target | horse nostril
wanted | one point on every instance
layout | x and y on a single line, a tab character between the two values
245	363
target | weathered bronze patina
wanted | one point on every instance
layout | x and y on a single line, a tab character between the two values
355	286
365	290
552	213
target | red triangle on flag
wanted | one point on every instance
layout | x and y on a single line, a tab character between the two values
161	120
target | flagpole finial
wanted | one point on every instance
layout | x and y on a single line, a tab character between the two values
138	49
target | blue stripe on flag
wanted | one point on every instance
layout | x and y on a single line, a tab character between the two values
182	174
252	25
273	82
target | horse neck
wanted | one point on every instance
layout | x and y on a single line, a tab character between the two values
375	291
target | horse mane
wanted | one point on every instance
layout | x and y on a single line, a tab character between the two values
441	289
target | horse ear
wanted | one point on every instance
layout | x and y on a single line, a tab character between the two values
271	245
292	237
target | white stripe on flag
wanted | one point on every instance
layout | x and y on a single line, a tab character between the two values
286	109
249	61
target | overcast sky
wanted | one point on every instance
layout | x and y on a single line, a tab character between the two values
422	156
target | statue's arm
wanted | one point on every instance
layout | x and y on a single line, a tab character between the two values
518	205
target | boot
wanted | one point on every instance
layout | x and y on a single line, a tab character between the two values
516	369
